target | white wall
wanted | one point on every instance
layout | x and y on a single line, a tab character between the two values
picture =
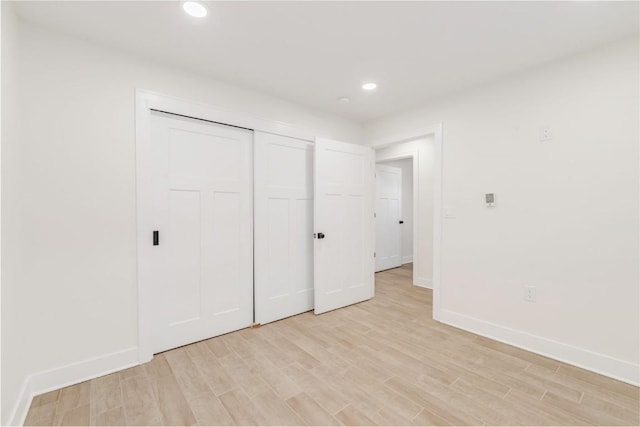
407	206
8	82
567	214
423	250
69	212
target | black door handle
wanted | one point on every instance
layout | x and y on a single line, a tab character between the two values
156	238
401	222
320	235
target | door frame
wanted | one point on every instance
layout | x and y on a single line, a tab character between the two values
435	132
145	102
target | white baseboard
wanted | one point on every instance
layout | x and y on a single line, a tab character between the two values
45	381
21	407
583	358
53	379
407	259
423	282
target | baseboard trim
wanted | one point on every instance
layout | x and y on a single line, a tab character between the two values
580	357
407	259
45	381
20	409
74	373
423	282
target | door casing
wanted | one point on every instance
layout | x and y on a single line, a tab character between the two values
403	136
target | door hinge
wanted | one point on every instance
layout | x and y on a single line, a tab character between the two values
374	254
374	215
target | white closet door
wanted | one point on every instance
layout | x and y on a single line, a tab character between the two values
388	215
203	275
283	227
344	227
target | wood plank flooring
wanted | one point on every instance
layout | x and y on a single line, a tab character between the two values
384	361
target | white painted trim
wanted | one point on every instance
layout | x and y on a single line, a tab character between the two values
170	104
64	376
145	102
436	132
437	220
407	259
21	407
423	282
583	358
423	132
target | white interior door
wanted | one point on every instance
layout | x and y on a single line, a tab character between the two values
388	216
343	223
283	227
203	274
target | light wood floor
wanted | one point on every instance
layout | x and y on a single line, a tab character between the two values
383	362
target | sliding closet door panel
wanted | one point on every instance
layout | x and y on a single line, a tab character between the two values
283	227
203	274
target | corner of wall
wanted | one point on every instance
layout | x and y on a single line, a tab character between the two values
580	357
424	282
64	376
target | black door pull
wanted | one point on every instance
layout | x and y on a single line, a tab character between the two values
156	237
320	235
401	222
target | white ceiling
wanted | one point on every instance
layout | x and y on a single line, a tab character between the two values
312	53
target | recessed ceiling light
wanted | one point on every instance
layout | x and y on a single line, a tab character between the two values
195	9
369	86
343	100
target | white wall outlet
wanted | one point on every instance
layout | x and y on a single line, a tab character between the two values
545	134
530	293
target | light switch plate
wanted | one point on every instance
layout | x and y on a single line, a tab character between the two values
545	134
450	212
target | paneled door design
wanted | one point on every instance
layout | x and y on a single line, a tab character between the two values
343	224
283	226
203	274
388	217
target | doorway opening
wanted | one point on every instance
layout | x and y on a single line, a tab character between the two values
413	165
394	214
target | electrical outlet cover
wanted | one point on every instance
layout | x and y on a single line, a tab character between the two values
545	134
530	293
